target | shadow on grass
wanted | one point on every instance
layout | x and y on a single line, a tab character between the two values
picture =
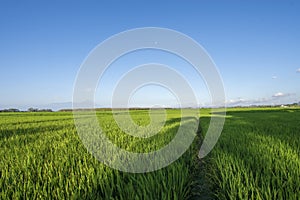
38	121
7	133
257	137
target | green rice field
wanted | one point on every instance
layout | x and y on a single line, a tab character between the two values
256	157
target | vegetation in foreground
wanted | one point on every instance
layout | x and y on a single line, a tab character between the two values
42	157
256	157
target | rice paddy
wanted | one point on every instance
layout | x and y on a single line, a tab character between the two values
256	157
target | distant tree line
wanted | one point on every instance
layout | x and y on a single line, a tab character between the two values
10	110
109	109
38	110
28	110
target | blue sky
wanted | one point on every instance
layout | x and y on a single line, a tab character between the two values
255	45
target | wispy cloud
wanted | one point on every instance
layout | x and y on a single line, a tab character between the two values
298	70
274	77
236	102
260	101
280	95
241	101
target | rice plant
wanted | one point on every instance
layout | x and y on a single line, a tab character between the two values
257	156
42	157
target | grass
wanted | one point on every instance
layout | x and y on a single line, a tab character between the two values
256	157
42	157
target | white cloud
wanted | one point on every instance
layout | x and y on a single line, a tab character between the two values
260	101
298	70
240	100
273	100
234	102
274	77
248	102
278	94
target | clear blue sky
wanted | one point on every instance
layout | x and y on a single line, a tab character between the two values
255	45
